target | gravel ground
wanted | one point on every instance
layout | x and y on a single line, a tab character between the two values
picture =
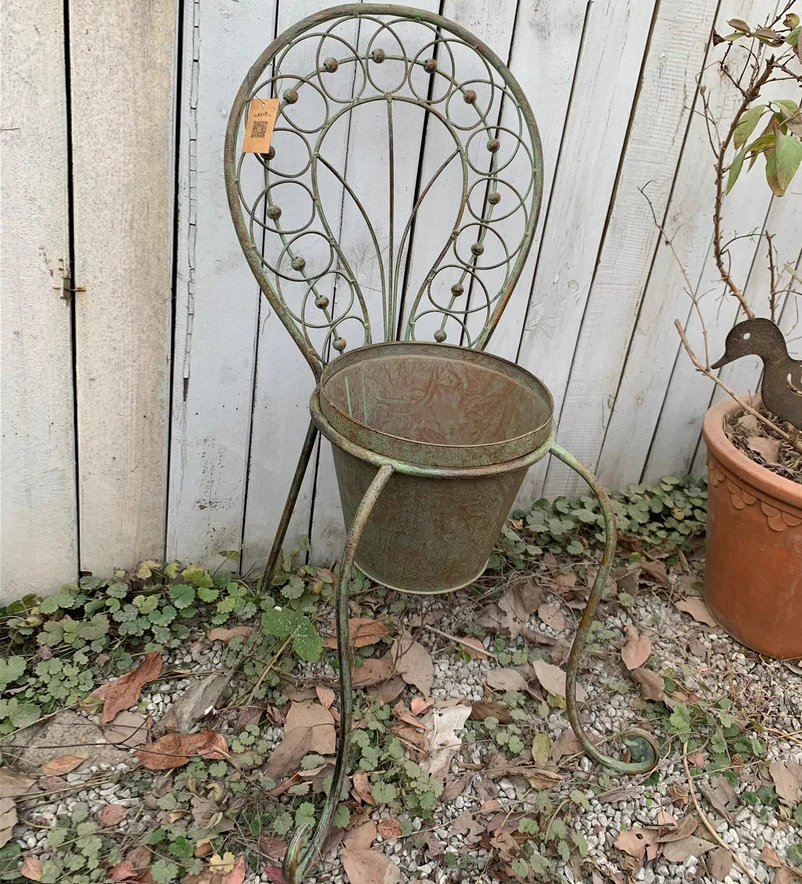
703	658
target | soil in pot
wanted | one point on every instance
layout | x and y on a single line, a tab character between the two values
763	446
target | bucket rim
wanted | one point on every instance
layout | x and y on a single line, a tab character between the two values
431	453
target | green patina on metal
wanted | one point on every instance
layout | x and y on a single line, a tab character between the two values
431	441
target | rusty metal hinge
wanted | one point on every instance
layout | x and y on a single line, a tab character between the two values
63	282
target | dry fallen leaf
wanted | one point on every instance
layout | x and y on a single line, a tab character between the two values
420	705
657	571
482	709
369	867
133	866
414	664
13	784
638	842
787	776
697	609
221	634
31	868
363	632
58	767
176	750
767	448
124	692
721	795
679	851
566	744
506	680
374	670
474	648
553	680
325	695
360	837
681	830
719	863
652	686
8	819
389	829
309	728
112	815
128	730
770	858
637	648
361	787
552	616
443	740
196	703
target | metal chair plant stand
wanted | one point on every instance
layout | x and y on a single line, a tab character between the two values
431	439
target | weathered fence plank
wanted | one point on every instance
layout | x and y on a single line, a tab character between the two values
39	536
122	78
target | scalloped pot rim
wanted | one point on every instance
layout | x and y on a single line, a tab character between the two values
721	448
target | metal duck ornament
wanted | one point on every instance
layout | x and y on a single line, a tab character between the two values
781	387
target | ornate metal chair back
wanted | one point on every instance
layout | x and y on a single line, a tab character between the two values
399	196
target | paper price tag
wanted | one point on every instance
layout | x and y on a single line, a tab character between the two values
259	126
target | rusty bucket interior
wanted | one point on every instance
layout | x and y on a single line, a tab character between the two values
436	406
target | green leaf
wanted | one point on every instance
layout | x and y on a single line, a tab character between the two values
794	855
164	872
793	38
747	123
118	590
785	161
63	599
182	595
581	844
341	818
163	617
197	576
146	603
680	721
24	714
735	168
384	793
294	589
11	668
528	826
208	593
579	798
305	815
520	867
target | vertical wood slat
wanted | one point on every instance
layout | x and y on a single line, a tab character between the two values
606	82
665	103
122	78
39	538
551	34
654	346
217	298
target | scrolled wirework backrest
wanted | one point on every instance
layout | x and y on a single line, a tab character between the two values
402	186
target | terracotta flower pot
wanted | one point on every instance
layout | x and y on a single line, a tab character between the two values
753	580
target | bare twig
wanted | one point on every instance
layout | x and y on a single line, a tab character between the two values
706	822
462	641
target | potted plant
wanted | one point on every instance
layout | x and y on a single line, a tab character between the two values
753	579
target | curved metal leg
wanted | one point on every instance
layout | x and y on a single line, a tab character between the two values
304	848
640	743
289	506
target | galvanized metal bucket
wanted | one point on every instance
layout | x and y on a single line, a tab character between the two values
435	406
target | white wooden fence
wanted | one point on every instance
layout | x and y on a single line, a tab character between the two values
152	405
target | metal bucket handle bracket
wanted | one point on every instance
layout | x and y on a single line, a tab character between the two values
642	745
